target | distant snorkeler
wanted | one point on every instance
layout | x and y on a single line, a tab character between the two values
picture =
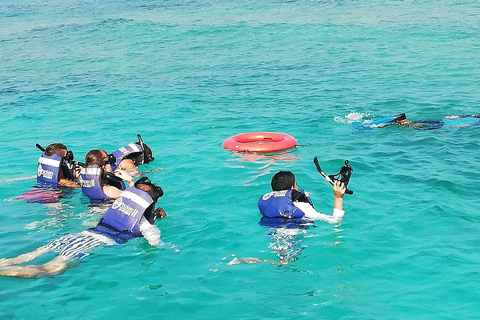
401	119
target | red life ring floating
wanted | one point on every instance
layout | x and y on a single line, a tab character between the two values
260	142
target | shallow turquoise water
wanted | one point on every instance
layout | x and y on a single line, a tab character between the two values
188	74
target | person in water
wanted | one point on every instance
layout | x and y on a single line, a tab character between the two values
288	206
132	215
287	210
401	119
448	121
99	183
56	167
129	157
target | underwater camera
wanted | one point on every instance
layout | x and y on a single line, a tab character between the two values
343	175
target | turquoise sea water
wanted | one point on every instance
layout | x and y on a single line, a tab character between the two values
189	74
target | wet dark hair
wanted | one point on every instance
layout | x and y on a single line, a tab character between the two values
95	156
52	148
283	180
148	186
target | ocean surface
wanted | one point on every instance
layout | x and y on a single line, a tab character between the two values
188	74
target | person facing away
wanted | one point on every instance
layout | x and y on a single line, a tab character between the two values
132	215
55	167
288	206
97	179
286	210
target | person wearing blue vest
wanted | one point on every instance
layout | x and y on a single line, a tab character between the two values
132	215
97	180
286	210
288	206
129	157
56	168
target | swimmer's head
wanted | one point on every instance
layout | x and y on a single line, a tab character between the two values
97	156
57	148
146	185
283	180
401	119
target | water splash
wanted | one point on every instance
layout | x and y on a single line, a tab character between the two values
353	117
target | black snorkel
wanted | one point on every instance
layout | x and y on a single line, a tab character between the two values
147	155
343	175
40	147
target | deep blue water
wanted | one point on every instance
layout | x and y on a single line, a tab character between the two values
189	74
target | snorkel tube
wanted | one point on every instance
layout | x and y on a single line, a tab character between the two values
147	155
343	175
40	147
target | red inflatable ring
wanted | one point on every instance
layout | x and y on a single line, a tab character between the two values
260	142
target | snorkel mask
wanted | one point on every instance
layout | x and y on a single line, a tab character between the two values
111	159
343	175
146	156
69	157
157	191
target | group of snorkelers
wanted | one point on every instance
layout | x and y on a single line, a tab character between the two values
103	178
109	178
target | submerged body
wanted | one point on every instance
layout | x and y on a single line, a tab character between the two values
401	120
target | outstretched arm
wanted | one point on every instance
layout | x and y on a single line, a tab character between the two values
338	213
68	183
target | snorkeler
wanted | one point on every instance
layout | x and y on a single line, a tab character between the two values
129	157
288	206
448	121
99	183
132	215
286	210
56	167
401	119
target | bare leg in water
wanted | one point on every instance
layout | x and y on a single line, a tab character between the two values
58	265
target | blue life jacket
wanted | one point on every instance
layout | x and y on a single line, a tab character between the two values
278	210
48	169
125	213
90	181
128	151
